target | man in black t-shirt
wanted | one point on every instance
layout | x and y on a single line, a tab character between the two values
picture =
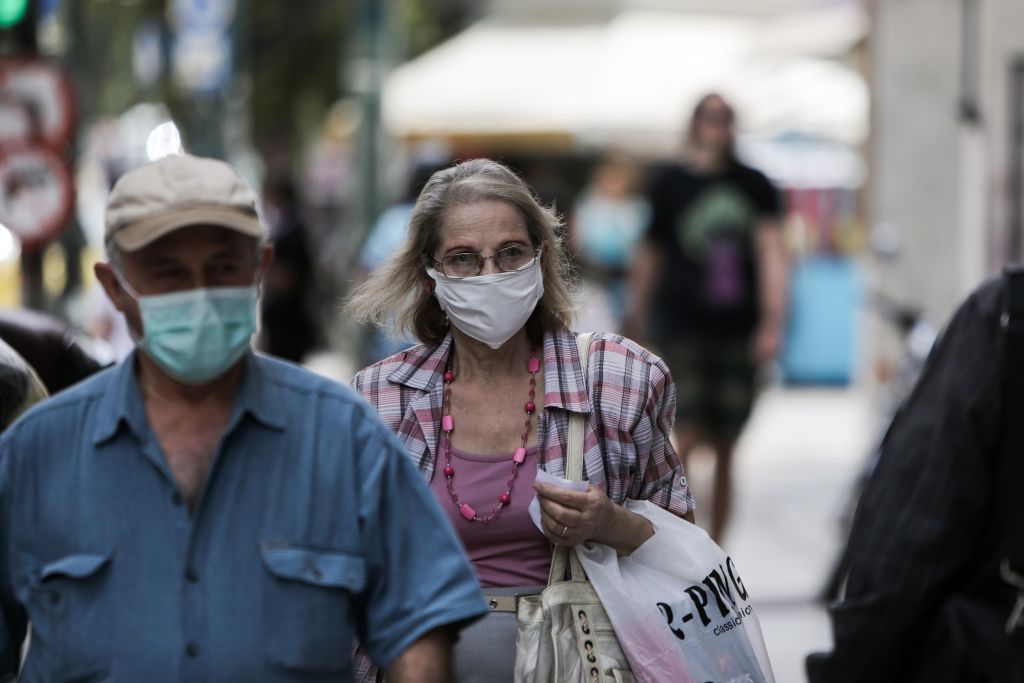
710	288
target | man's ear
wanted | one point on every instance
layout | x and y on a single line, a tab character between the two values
111	285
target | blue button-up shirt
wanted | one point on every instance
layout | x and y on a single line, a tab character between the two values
313	527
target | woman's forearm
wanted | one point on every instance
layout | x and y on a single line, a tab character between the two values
626	531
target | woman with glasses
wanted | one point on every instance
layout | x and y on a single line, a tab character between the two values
484	402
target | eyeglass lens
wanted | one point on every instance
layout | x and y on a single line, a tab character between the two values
470	264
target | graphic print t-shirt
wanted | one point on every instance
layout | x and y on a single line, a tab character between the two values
707	226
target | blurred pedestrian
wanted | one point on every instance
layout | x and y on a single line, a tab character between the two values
609	218
52	348
935	588
289	311
200	512
481	282
386	237
710	288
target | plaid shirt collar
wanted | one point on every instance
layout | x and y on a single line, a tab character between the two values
564	384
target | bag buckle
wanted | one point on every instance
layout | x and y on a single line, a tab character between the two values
506	603
502	603
1016	580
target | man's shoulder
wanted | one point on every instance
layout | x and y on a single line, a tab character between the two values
978	316
989	298
668	172
70	401
301	382
750	176
45	428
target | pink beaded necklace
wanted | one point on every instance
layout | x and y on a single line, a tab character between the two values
448	426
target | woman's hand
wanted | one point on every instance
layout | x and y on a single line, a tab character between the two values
573	517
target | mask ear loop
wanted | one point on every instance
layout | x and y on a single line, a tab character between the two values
123	281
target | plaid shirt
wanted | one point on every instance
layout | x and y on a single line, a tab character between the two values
629	409
629	412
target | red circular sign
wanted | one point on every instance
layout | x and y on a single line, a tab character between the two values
45	92
15	122
36	194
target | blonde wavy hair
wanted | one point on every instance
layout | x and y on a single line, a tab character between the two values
398	296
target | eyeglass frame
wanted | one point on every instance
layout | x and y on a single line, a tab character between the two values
439	266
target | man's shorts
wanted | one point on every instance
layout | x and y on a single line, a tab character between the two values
716	383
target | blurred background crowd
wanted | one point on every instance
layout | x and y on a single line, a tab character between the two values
893	131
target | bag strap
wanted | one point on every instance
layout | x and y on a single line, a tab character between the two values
1011	470
573	470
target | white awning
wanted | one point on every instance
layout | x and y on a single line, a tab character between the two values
633	79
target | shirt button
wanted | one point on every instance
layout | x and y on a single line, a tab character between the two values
176	499
192	649
191	576
54	598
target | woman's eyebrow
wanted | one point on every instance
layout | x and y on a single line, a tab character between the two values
461	248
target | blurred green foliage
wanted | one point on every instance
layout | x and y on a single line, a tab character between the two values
290	54
294	55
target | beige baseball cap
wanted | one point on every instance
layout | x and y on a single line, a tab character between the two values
175	192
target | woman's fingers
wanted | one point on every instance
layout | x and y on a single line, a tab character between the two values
561	534
560	513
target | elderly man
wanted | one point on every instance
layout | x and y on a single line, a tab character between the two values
202	513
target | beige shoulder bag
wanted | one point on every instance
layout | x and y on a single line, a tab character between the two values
564	635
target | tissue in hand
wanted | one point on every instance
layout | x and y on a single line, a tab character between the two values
545	478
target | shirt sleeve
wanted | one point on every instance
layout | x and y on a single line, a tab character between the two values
418	576
920	514
13	622
660	477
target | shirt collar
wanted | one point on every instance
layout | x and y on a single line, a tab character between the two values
564	384
422	365
121	403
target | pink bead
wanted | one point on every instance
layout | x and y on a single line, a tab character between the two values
534	365
520	456
531	406
467	512
449	376
447	423
505	499
449	471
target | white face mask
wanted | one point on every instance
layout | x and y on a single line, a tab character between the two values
490	308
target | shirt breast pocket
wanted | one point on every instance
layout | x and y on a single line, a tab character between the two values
69	616
307	613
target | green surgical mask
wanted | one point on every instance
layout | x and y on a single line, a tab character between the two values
198	334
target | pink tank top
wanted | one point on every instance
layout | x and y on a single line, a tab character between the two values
508	551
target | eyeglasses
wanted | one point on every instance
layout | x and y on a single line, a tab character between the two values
471	264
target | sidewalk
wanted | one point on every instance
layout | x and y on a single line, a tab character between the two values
795	464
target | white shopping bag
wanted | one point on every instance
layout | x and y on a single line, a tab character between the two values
678	605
